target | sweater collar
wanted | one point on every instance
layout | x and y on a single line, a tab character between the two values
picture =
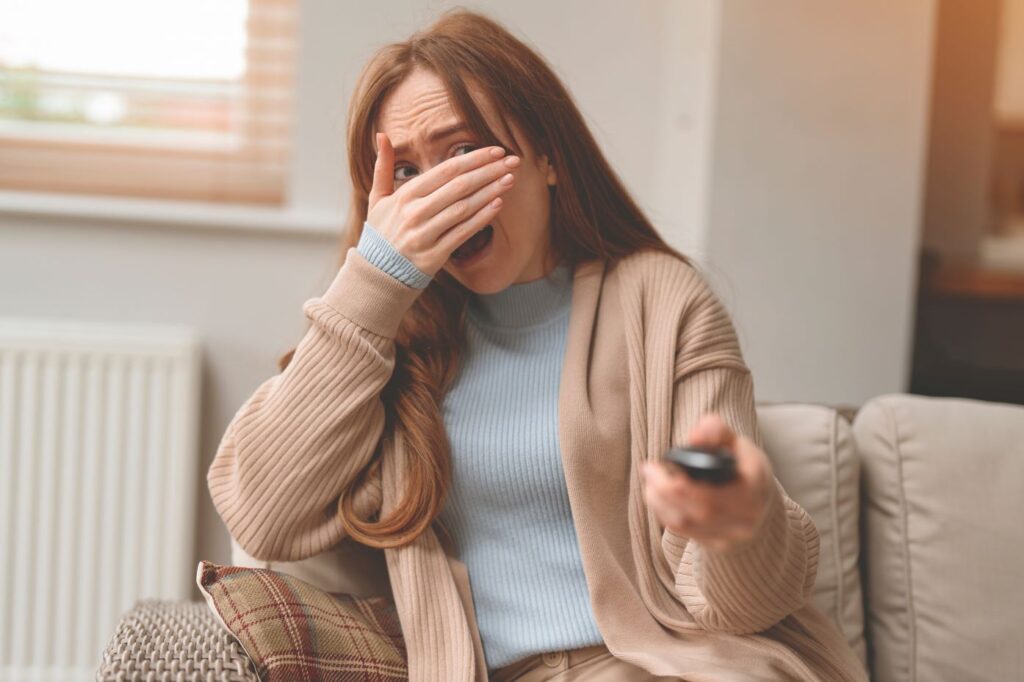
525	304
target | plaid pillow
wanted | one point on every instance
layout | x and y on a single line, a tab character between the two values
295	631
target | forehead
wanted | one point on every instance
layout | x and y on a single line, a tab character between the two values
419	106
419	100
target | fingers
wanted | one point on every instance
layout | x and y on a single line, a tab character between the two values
449	169
689	509
480	207
713	431
450	204
383	170
693	521
671	488
685	520
465	204
668	482
455	236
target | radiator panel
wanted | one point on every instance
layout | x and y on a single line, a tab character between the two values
98	484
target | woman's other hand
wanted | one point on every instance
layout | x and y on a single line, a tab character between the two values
721	517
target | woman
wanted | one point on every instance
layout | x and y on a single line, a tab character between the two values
506	348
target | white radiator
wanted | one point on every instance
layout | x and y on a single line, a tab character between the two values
98	484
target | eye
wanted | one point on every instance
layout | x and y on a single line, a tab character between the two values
458	147
399	169
464	145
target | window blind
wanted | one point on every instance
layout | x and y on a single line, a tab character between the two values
132	127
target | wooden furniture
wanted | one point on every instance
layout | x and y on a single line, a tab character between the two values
969	332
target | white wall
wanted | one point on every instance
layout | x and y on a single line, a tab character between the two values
770	142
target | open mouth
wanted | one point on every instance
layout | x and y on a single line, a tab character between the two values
473	246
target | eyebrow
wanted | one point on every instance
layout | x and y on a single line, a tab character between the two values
438	134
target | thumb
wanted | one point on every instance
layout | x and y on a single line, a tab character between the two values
383	170
712	431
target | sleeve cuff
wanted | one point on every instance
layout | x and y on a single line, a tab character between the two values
368	296
380	252
757	583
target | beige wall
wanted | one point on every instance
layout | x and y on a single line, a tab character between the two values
1009	96
957	209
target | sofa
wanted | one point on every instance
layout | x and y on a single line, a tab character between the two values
919	502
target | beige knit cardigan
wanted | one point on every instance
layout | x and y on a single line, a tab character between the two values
650	349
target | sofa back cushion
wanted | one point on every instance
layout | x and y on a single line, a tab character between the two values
812	452
944	486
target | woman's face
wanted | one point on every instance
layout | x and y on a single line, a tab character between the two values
521	247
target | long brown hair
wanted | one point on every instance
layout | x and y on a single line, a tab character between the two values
592	217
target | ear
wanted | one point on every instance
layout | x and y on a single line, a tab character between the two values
552	176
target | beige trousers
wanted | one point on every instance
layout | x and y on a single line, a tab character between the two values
592	663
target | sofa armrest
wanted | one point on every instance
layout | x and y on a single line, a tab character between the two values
173	640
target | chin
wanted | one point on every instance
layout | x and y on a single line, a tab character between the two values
482	281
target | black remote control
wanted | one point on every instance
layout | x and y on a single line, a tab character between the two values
709	465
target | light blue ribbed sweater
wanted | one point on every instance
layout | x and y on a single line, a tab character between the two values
508	508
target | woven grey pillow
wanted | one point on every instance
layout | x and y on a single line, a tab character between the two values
173	640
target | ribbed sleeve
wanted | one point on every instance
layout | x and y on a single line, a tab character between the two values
302	437
753	586
380	252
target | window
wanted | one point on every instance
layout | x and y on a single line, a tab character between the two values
182	99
